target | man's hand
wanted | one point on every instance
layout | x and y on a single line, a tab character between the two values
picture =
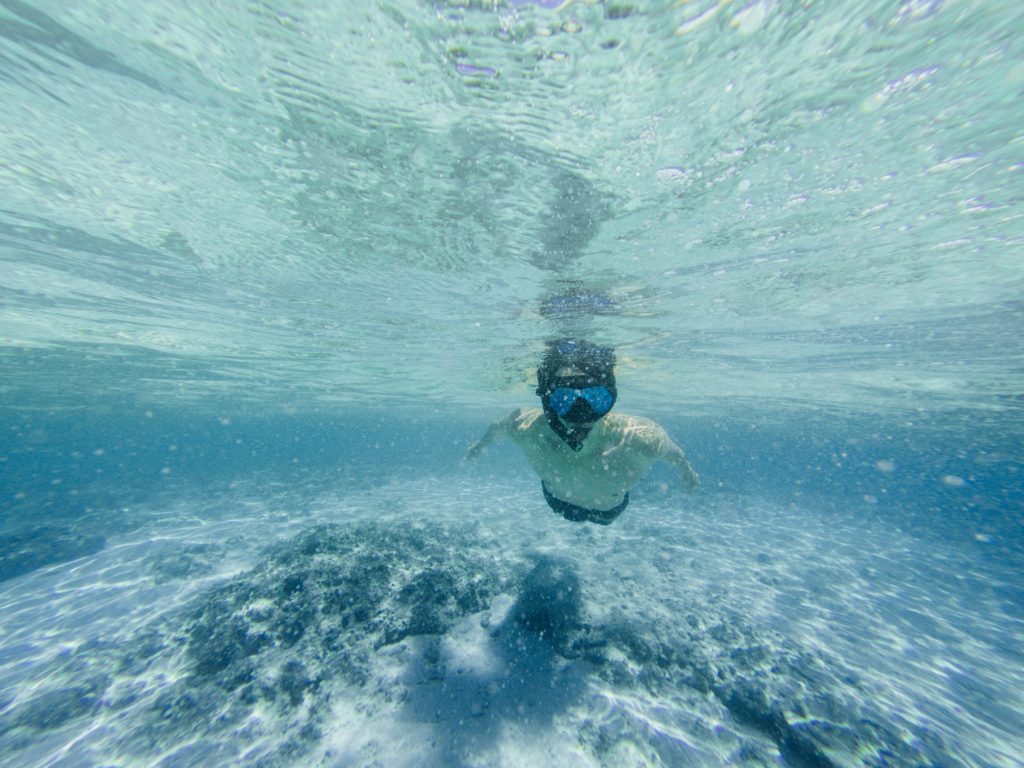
496	430
474	450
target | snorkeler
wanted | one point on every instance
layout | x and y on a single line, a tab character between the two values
587	458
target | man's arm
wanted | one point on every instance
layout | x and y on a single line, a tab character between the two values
674	455
500	428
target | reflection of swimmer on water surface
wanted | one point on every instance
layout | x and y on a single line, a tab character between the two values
587	457
577	302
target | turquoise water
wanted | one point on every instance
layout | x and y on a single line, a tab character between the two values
268	269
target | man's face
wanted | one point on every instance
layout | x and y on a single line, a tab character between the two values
578	399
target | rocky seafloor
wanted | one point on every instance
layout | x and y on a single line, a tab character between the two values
442	627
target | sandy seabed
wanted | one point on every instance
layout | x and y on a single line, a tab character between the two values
445	622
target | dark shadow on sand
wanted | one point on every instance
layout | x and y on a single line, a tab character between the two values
527	680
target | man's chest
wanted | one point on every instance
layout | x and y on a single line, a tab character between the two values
596	455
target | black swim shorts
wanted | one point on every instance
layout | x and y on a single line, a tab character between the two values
582	514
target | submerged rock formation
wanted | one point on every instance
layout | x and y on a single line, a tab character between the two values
247	673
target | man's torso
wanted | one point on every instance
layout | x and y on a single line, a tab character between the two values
618	450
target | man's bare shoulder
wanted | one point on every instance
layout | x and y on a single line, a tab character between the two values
524	419
636	429
628	421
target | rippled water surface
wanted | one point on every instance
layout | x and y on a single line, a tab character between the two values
792	203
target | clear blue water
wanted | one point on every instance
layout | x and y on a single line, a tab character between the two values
268	269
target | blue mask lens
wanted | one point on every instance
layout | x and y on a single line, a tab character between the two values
599	399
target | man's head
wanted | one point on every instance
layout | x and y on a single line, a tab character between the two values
576	384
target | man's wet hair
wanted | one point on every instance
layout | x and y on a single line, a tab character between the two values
591	360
